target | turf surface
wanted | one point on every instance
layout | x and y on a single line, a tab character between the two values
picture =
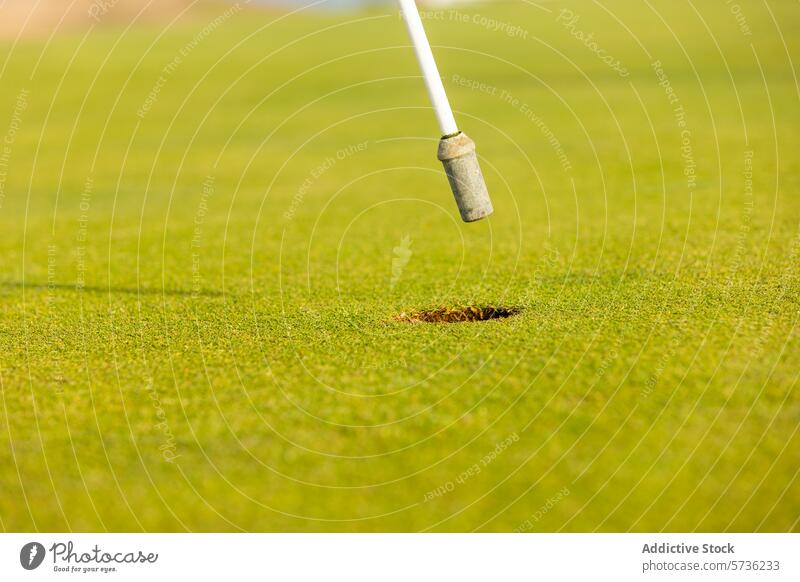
208	229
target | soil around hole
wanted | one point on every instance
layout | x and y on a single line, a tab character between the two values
458	314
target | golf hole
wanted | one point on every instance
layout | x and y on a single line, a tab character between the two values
458	314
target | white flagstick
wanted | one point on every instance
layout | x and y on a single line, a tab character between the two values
456	150
447	123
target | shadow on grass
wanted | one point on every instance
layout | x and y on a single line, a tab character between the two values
96	289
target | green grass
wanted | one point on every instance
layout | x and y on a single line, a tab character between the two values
201	282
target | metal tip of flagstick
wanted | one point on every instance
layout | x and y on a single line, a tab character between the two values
456	150
457	154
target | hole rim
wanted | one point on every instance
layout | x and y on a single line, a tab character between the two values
459	314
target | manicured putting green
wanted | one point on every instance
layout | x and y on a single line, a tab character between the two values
209	228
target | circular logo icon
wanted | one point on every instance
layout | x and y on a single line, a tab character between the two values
31	555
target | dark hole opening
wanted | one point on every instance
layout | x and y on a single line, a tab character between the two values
458	314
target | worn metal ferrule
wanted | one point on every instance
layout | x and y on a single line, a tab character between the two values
457	153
